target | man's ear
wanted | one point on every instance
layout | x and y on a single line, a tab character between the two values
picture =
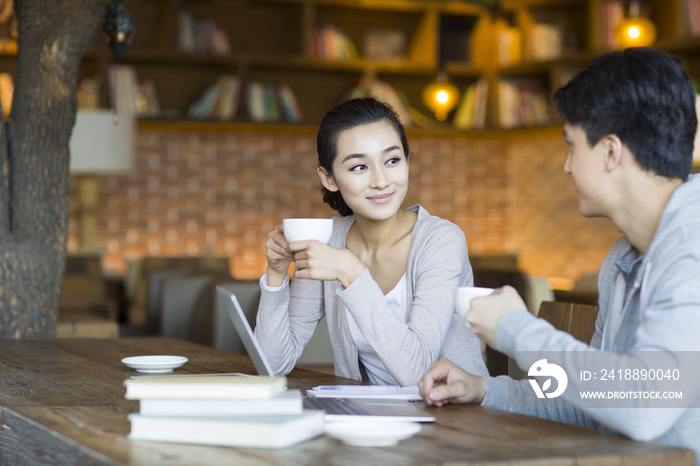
613	148
327	180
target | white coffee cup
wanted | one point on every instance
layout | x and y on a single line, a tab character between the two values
300	229
463	299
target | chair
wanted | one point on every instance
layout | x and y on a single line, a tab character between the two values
178	305
153	271
576	319
248	294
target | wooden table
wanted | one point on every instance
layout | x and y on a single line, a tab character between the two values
63	403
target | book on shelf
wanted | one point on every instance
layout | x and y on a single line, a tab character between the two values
201	35
272	113
228	89
219	101
522	103
545	42
471	112
200	108
508	43
271	103
273	432
204	387
332	43
464	115
290	106
255	101
287	403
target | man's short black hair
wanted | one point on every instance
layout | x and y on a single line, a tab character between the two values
644	97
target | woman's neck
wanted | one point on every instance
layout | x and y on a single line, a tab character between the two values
377	235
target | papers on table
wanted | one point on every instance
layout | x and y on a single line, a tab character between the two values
365	391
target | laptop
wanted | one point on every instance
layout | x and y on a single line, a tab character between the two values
337	409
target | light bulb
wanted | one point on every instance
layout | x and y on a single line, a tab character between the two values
633	32
442	97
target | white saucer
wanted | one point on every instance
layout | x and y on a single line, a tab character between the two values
363	434
154	364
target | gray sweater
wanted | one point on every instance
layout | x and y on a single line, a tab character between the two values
437	265
647	303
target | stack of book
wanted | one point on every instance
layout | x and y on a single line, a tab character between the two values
224	410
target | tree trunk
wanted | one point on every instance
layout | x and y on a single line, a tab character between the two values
34	187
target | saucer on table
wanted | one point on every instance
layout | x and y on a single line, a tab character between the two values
154	364
380	434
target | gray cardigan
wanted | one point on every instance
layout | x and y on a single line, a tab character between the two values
437	265
655	309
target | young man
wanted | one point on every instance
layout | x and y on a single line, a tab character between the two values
630	123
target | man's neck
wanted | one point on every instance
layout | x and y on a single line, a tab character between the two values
641	204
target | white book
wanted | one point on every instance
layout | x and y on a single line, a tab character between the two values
204	387
287	403
256	101
243	431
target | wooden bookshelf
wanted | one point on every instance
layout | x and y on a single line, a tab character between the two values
271	41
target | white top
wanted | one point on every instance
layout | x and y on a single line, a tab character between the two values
377	373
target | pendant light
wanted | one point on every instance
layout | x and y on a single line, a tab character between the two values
635	31
441	96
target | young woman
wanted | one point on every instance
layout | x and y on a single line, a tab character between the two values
386	281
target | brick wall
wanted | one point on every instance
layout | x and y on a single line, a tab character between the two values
220	193
552	237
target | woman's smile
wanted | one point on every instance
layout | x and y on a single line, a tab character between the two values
381	198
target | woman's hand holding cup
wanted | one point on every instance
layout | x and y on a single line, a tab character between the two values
314	259
279	257
318	261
